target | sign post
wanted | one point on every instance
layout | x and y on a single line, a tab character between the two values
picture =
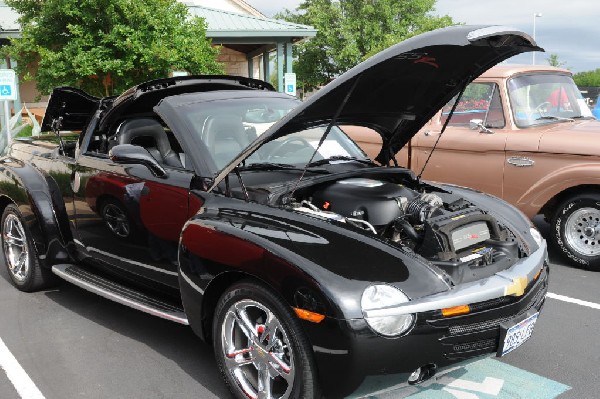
290	84
8	92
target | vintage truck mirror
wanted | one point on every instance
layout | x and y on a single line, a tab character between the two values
475	124
128	154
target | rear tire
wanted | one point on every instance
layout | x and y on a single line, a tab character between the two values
576	230
20	257
258	342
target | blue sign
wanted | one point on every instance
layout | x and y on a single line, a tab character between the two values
8	85
290	88
5	91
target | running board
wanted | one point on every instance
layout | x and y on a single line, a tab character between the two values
119	293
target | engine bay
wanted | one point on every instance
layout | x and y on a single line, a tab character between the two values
444	228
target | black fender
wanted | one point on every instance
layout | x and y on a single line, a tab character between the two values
40	202
313	264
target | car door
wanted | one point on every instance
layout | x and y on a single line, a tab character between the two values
128	219
465	156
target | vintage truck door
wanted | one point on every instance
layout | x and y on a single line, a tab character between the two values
127	218
465	156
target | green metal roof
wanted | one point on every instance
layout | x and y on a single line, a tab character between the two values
226	24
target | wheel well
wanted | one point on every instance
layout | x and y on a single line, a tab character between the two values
550	207
102	199
4	202
213	292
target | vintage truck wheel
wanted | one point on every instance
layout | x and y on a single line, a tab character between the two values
259	346
19	256
576	230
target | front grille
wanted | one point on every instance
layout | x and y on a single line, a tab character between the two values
479	332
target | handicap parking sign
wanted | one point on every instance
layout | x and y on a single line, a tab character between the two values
5	90
7	85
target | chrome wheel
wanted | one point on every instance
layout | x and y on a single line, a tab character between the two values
116	220
257	351
582	231
15	247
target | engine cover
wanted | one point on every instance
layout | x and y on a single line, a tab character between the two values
372	200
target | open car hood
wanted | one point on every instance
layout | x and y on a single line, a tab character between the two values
399	89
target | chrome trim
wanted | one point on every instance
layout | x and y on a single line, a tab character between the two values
133	262
520	162
191	283
177	317
499	285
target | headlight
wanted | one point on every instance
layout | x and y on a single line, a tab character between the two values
537	237
379	296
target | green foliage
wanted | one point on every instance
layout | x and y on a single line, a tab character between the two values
587	78
107	46
349	31
554	61
25	132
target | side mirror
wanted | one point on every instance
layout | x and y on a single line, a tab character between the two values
475	124
128	154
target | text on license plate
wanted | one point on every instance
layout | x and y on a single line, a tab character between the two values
517	334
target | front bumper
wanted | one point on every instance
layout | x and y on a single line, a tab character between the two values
347	351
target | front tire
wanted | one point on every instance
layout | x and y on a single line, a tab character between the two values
20	257
576	230
260	348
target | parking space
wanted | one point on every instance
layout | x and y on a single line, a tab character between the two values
72	343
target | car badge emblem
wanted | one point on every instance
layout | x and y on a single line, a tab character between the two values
517	287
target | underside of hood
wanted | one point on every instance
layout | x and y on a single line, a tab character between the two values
398	90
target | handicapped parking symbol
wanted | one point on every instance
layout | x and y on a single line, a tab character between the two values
5	90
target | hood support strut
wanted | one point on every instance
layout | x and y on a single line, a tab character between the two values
324	137
445	125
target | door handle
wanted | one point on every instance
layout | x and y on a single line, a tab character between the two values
520	162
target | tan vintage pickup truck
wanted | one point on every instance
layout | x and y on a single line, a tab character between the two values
524	134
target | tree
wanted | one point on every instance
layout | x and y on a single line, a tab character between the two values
350	31
587	78
554	61
106	46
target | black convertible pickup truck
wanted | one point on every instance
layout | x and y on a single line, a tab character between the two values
216	202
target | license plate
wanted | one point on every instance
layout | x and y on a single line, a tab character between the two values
517	334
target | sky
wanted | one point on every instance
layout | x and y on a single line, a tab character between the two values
570	29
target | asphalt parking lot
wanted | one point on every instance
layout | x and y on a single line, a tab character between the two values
68	343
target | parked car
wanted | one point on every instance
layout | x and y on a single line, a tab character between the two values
523	134
307	266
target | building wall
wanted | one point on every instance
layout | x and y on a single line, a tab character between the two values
235	62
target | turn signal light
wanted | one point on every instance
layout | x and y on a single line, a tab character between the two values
456	310
310	316
538	274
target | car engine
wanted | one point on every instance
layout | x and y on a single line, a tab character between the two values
442	227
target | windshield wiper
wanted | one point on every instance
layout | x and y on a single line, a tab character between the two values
340	158
274	166
555	118
268	166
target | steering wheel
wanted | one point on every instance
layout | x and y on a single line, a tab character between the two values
278	151
542	108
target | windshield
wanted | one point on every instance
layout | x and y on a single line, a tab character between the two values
545	98
226	127
296	149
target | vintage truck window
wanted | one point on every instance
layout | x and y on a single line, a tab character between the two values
479	101
545	98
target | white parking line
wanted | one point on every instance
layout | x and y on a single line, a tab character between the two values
15	373
573	300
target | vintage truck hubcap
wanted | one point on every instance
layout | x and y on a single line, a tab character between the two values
582	231
257	351
15	247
